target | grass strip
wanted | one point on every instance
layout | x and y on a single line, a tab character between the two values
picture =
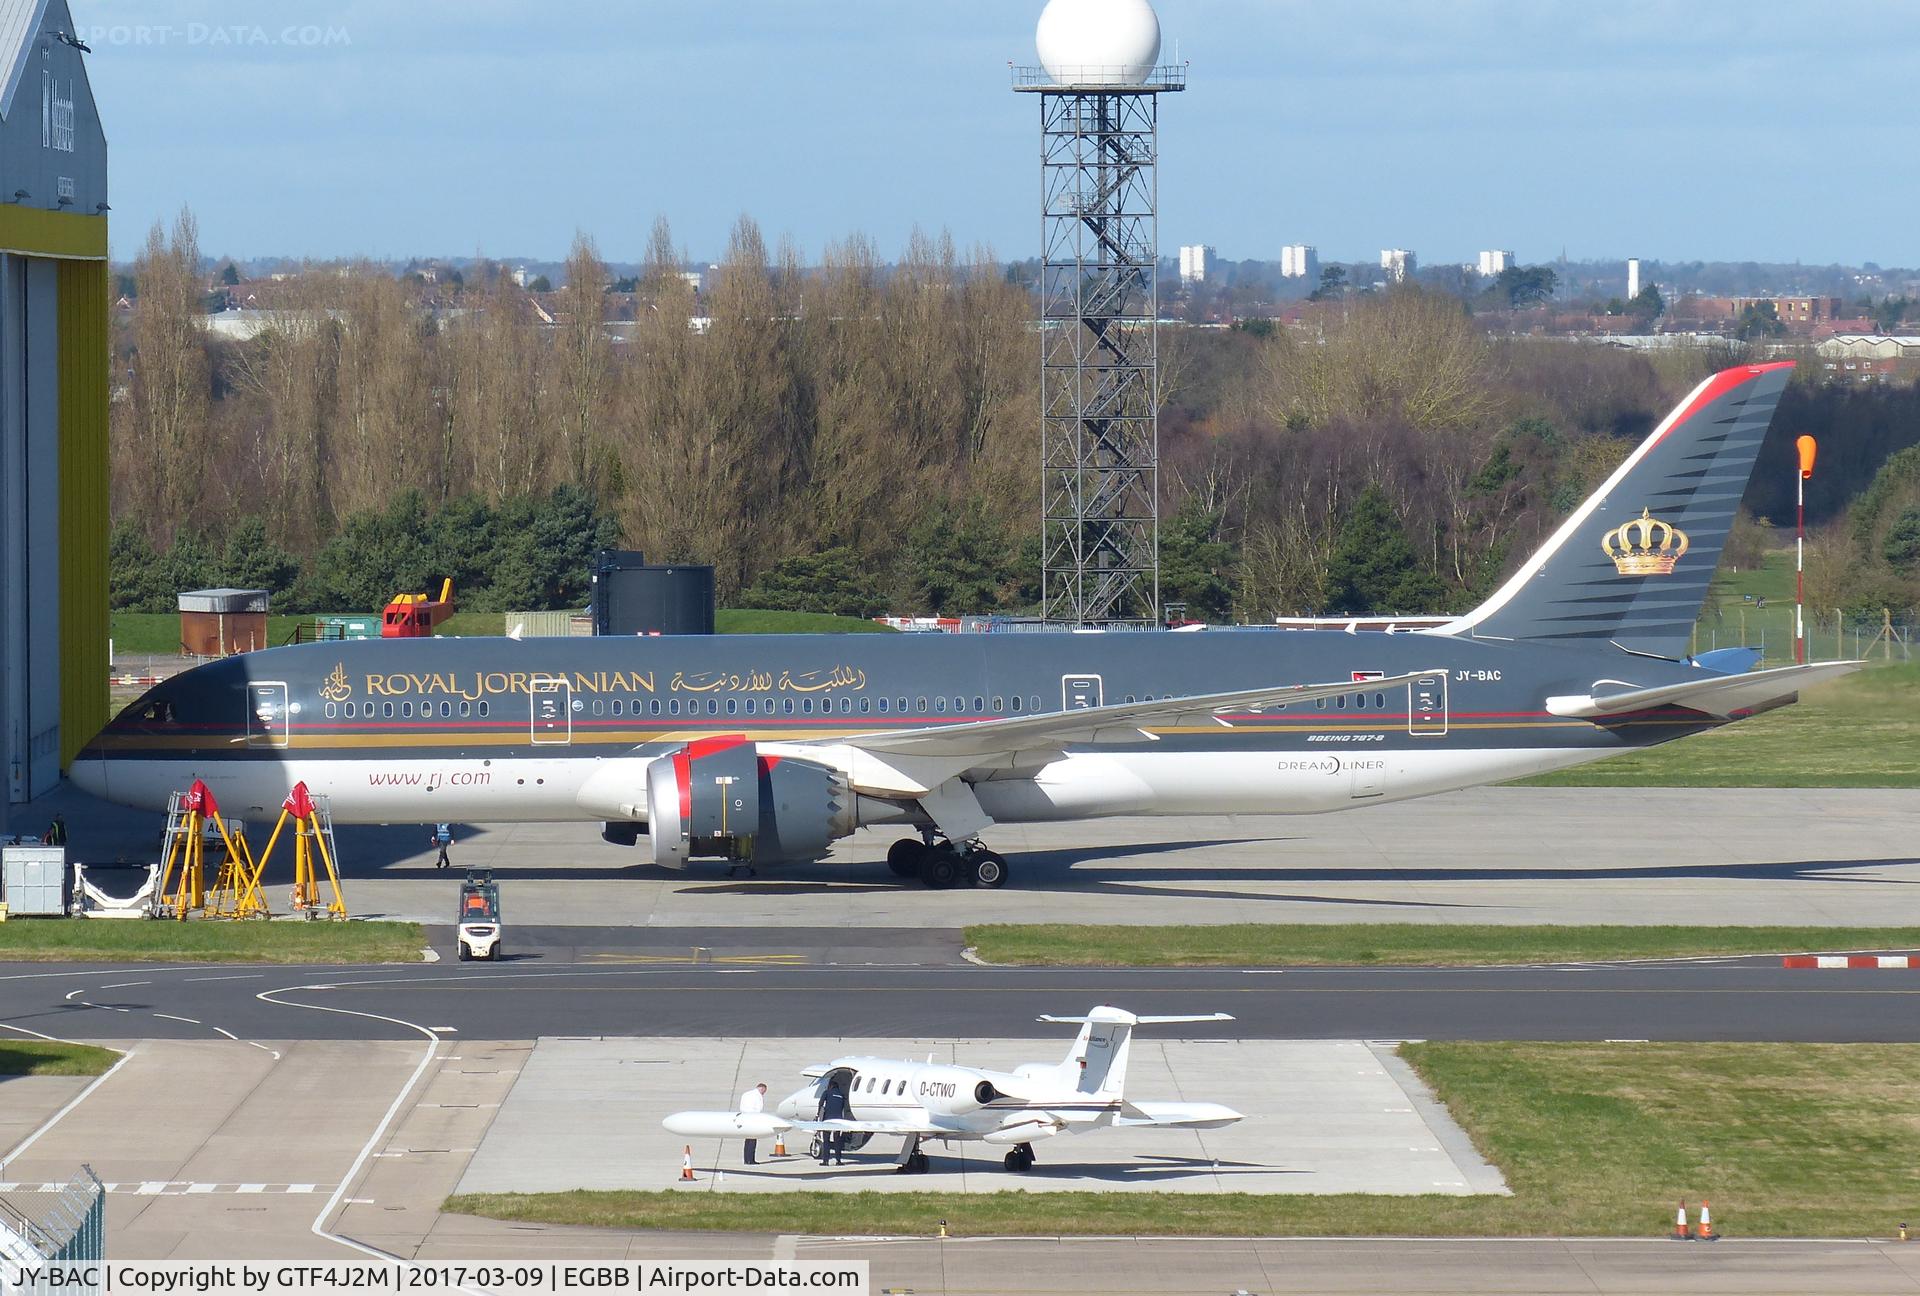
76	940
47	1058
1413	944
1595	1140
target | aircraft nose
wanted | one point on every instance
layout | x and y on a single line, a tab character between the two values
89	774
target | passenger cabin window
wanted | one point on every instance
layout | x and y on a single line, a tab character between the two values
330	710
883	706
923	706
617	706
485	708
939	705
1016	701
386	710
866	705
997	700
713	706
466	710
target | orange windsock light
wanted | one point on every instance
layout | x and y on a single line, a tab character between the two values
1807	448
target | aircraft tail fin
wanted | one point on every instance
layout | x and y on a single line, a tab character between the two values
1633	562
1096	1065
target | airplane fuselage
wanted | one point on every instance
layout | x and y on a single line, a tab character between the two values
463	730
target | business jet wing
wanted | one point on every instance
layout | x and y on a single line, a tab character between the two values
725	1124
1125	722
920	1126
1714	695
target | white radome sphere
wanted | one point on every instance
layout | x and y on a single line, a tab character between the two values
1099	42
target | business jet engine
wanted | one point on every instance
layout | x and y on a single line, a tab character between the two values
719	798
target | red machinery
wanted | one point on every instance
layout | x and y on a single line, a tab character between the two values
414	616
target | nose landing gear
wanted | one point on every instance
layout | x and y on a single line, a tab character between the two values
940	865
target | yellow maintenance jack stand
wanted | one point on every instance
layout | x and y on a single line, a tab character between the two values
236	892
312	832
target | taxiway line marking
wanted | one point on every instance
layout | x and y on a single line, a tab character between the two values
191	1021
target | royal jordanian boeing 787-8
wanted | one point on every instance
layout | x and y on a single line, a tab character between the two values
770	748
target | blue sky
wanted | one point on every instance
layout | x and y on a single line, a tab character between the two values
1767	130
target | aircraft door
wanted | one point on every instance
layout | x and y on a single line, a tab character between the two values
267	718
1080	692
1427	707
551	712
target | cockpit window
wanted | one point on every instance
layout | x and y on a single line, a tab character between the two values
158	711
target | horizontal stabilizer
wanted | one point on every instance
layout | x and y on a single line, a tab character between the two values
1715	695
1178	1115
1133	1020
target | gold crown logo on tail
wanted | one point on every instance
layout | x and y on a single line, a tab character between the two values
1646	546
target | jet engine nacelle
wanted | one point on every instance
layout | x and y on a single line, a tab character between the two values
952	1090
720	798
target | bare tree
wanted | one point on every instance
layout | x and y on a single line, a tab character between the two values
584	365
166	453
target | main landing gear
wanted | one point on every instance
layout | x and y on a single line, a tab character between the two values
941	864
1020	1160
914	1161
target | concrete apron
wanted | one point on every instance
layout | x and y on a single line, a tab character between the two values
1322	1117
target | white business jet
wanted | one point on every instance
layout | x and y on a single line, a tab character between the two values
920	1101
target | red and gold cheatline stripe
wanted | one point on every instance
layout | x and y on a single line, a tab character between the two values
496	735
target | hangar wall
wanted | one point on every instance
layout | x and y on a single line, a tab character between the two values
53	401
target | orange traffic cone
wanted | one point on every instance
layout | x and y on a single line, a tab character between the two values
1680	1233
779	1144
686	1165
1706	1222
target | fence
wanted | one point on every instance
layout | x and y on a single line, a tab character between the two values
1831	634
70	1229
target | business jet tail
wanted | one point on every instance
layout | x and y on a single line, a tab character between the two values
1096	1065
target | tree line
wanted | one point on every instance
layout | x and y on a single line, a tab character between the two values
847	436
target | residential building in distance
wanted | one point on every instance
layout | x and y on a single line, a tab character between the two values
1195	261
1495	262
1633	277
1869	357
1398	263
1299	261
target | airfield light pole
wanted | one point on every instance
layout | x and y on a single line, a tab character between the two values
1807	449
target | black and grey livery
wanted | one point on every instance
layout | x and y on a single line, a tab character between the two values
770	748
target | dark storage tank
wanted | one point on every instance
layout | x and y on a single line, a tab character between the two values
631	598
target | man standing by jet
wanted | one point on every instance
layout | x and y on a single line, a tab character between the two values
833	1107
752	1103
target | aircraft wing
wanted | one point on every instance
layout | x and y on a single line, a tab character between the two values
922	1126
1715	695
725	1124
1124	722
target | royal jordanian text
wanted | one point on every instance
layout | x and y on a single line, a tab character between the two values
409	1279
